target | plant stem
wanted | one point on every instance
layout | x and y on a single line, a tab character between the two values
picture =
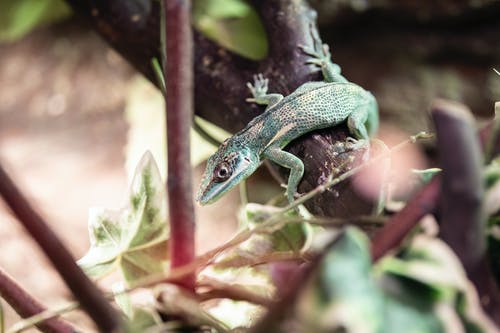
26	306
179	103
219	289
83	289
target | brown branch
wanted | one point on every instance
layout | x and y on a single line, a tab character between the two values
26	306
462	222
83	289
179	81
397	228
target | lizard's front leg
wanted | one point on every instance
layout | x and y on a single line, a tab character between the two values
290	161
259	92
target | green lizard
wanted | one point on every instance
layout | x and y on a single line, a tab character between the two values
312	106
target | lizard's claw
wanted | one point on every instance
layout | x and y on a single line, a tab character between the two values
319	56
259	87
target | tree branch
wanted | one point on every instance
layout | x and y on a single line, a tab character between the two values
26	306
83	289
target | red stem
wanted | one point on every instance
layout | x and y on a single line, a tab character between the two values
179	81
26	306
86	293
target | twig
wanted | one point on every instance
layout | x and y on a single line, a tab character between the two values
179	76
462	223
42	318
82	288
26	306
219	289
272	257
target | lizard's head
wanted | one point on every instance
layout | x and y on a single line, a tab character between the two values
225	169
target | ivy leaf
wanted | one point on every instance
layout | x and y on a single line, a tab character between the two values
424	289
135	237
430	275
288	238
491	176
140	317
343	294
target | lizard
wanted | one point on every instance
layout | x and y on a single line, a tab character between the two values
313	105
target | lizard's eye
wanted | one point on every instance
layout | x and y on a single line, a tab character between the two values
222	172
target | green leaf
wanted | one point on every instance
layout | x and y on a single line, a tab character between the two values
492	173
236	314
426	175
428	276
233	24
494	245
18	17
140	318
342	295
422	290
135	237
288	238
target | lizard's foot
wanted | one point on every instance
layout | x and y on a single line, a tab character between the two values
258	89
318	56
319	52
352	144
321	57
355	144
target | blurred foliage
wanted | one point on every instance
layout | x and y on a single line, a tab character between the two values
135	237
233	24
492	209
19	17
423	289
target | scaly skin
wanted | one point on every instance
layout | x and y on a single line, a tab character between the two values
314	105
